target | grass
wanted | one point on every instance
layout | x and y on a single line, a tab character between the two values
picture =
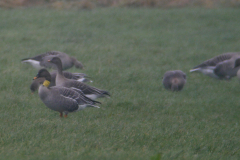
125	51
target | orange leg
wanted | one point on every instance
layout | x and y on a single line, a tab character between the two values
65	115
61	114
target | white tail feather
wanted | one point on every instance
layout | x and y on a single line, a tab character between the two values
193	70
35	64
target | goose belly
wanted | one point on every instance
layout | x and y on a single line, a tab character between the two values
231	73
209	72
61	104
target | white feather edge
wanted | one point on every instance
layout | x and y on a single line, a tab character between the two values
35	64
82	80
91	96
81	107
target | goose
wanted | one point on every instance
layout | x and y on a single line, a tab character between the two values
40	61
237	64
89	91
228	68
220	67
76	76
174	80
61	99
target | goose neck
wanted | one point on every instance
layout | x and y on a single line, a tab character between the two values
46	83
59	69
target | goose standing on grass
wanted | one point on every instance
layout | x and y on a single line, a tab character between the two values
220	67
76	76
40	61
174	80
89	91
61	99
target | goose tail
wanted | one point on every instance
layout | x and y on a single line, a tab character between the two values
26	60
194	70
95	106
77	64
106	93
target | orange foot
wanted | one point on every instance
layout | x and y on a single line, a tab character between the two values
61	114
65	115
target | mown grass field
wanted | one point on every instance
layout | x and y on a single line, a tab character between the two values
125	51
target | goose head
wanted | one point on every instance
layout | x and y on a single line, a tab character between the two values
36	83
43	73
57	61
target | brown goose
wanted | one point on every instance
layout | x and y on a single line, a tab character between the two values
89	91
61	99
76	76
220	67
40	61
174	80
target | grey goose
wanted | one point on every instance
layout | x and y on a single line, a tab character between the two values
76	76
174	80
61	99
220	67
237	64
89	91
40	61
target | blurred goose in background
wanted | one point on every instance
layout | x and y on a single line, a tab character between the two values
174	80
89	91
220	67
228	68
76	76
40	61
237	64
61	99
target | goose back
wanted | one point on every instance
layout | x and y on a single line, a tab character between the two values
41	61
215	60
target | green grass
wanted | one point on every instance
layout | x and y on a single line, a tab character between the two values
125	51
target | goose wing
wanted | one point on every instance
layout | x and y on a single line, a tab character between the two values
75	76
81	77
215	60
75	95
36	58
41	56
86	89
53	53
69	96
84	98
